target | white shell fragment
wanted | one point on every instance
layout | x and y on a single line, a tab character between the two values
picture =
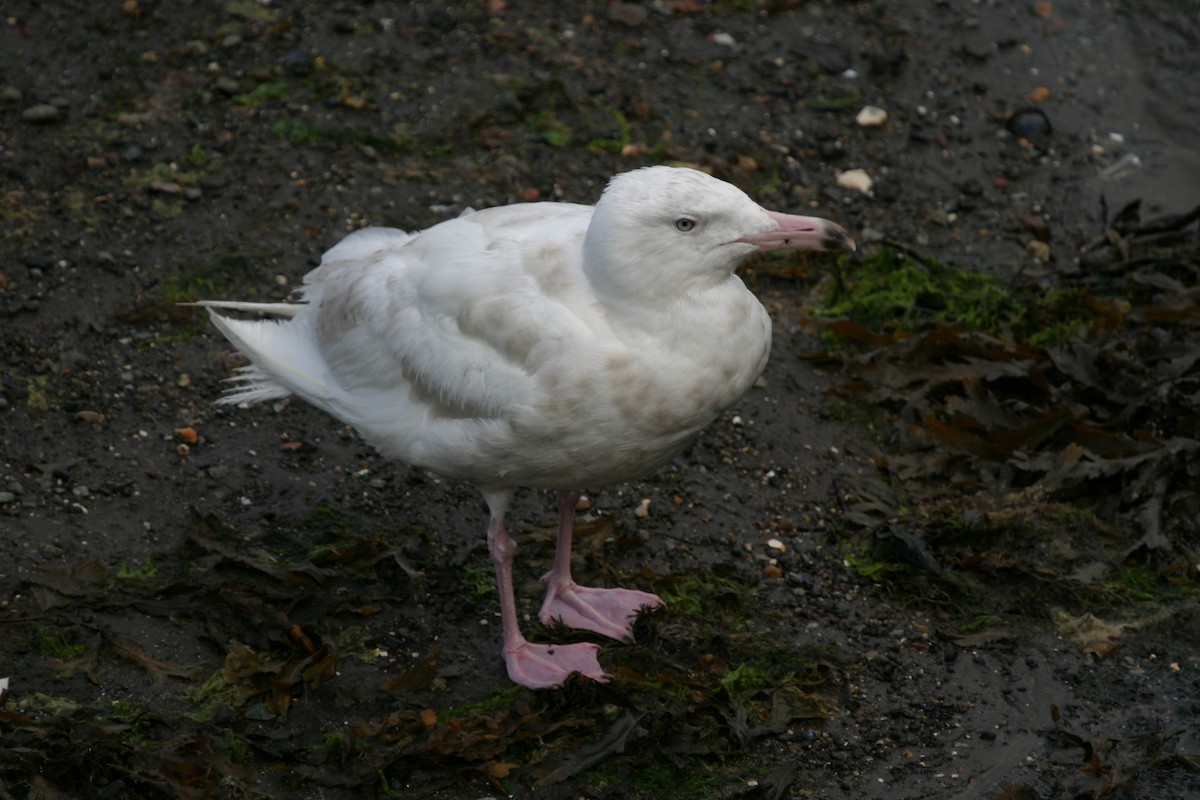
856	179
871	117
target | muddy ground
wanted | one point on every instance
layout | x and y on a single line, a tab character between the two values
205	602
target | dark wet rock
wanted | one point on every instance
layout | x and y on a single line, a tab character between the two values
971	187
299	62
440	20
831	150
1029	123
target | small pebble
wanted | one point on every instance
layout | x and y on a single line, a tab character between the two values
643	509
856	179
630	14
871	117
1039	249
40	113
1028	123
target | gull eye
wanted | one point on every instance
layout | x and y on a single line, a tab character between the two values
685	224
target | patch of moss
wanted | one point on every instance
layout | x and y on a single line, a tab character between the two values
55	644
549	129
1143	584
264	94
140	572
488	705
196	157
329	523
478	583
251	11
161	172
619	142
744	677
301	133
893	290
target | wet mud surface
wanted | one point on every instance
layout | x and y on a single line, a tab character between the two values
917	561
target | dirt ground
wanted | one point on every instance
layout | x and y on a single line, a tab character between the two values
211	602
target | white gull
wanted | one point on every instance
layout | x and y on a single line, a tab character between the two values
547	345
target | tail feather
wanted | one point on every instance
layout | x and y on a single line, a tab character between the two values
284	359
274	309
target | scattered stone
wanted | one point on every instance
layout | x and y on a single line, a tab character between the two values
7	497
856	179
1040	250
871	117
297	61
132	153
165	187
192	193
1029	123
831	149
1037	226
43	112
183	381
631	14
724	39
643	509
91	417
10	94
193	47
971	187
1122	166
1040	94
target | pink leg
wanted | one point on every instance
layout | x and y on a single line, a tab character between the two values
535	666
609	612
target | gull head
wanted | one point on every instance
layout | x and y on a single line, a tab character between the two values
659	232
